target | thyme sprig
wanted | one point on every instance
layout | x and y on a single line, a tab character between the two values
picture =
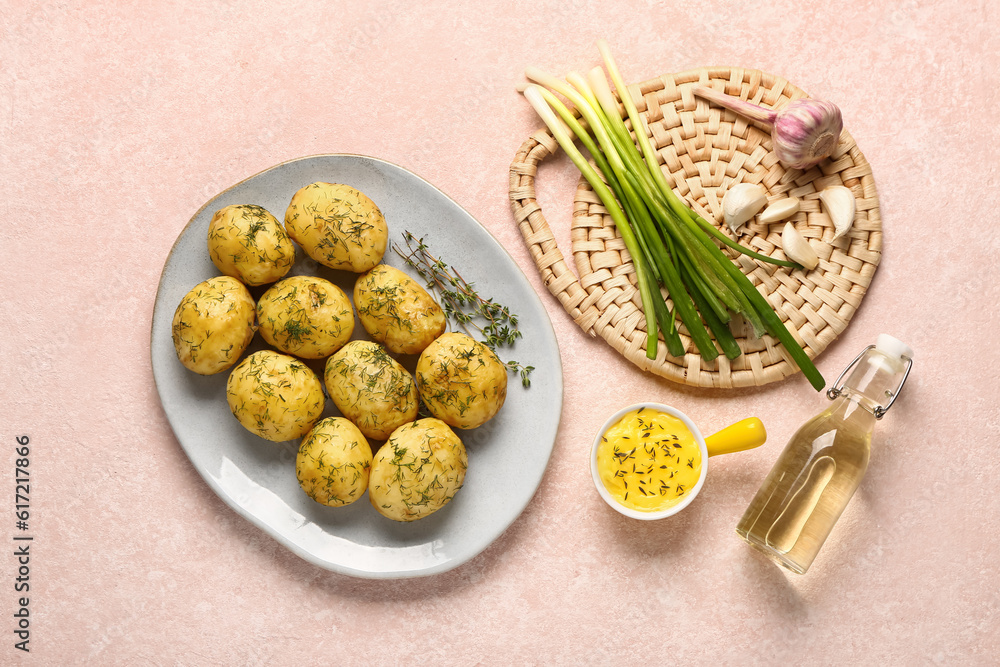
462	304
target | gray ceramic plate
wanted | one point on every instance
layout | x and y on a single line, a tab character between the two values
507	456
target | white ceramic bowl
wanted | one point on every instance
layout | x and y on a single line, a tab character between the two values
637	514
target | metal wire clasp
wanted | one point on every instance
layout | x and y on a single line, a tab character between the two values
879	412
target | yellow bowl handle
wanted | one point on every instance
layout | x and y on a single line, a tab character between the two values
746	434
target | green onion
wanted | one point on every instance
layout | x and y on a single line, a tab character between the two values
670	245
561	134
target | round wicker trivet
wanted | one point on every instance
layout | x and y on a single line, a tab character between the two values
704	150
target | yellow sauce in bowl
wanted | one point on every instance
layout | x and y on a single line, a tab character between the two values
648	460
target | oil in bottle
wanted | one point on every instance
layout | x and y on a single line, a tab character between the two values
822	465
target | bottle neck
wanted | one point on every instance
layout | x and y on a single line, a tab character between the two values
872	382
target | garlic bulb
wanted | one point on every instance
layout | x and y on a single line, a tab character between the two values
742	202
804	133
797	249
840	206
780	210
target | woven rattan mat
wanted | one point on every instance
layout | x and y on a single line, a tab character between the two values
705	150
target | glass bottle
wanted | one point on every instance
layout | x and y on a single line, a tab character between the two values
822	465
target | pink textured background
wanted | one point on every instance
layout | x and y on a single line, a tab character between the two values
118	123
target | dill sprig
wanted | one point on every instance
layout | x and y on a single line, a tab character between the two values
462	304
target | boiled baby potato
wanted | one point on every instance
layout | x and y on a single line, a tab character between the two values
461	381
213	325
371	388
333	462
275	396
337	226
396	311
417	471
248	243
305	316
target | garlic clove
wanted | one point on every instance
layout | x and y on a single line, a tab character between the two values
780	210
797	249
840	206
741	203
